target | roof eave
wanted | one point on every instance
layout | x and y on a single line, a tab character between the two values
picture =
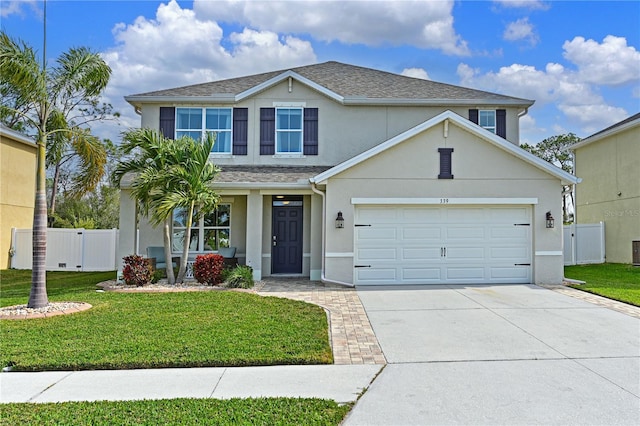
137	101
437	102
603	135
17	136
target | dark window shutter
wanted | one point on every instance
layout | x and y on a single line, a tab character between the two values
473	115
310	131
240	128
501	123
267	131
445	163
168	122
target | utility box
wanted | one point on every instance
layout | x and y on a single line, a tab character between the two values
635	252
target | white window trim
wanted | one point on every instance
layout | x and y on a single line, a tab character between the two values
200	228
203	128
289	154
493	129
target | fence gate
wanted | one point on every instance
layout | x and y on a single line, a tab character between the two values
584	243
68	249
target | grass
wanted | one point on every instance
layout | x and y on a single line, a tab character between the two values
156	330
261	411
615	281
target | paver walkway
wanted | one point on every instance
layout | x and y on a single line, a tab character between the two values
625	308
352	338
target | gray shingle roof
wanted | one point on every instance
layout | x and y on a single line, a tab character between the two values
348	81
268	174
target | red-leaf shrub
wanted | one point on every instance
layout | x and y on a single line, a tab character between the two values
207	268
137	270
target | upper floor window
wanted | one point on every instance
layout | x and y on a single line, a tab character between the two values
196	122
487	119
210	233
289	130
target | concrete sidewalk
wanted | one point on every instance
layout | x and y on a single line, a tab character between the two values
341	383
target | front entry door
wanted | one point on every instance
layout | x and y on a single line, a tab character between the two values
286	250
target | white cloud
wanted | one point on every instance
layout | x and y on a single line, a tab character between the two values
521	29
178	48
416	73
421	23
8	8
611	62
553	87
523	4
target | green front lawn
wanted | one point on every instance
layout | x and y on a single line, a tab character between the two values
262	411
155	330
615	281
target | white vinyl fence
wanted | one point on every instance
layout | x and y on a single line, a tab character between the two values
68	249
584	243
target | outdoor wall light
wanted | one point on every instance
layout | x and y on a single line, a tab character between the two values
339	221
550	220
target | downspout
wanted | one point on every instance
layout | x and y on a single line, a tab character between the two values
323	277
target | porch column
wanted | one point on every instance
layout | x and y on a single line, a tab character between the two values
254	233
316	238
127	243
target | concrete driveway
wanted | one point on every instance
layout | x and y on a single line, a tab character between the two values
506	354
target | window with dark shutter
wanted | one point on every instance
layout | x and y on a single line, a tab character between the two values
168	122
501	123
445	163
267	131
473	115
310	132
240	128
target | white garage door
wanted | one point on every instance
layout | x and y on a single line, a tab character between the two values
442	245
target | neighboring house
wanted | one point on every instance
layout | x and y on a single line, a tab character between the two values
17	187
609	164
357	176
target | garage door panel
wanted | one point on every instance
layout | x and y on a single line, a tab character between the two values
421	215
511	274
422	274
469	254
378	233
376	275
520	214
381	254
465	233
424	254
508	232
424	233
515	254
378	215
465	273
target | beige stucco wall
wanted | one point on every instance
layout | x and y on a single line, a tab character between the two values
610	190
344	131
17	189
410	170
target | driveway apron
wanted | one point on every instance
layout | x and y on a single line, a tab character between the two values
499	354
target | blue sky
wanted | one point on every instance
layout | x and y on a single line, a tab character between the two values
579	60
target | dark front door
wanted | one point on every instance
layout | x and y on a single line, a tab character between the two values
286	253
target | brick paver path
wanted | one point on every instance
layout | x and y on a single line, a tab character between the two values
625	308
352	337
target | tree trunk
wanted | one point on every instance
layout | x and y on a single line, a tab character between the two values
185	249
38	296
167	251
54	190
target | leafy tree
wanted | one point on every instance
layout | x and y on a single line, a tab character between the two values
99	209
553	150
36	94
169	174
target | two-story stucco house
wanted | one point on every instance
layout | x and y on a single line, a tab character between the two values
357	176
609	164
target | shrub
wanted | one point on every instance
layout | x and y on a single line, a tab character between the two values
240	277
137	270
207	268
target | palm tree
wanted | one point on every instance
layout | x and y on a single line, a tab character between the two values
190	175
149	162
168	175
39	91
